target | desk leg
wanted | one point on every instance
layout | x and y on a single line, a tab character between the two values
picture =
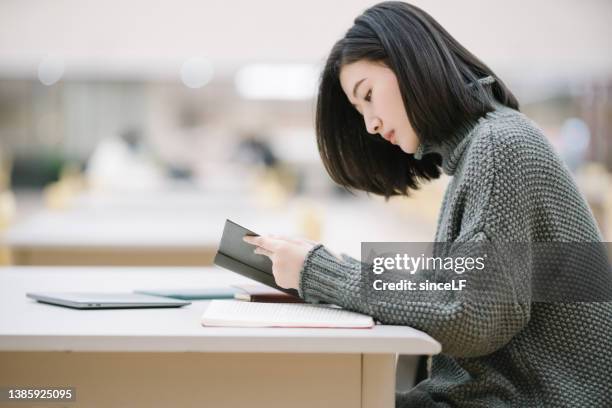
378	380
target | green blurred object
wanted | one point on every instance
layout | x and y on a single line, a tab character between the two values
194	293
37	169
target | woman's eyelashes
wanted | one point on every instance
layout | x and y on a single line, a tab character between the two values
367	98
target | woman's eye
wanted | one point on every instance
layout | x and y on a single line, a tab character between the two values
368	96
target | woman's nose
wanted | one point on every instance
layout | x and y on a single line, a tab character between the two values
373	125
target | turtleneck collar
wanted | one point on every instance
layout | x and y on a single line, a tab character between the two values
452	148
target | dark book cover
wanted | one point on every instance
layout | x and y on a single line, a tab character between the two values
237	256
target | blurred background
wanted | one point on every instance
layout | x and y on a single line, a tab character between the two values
130	130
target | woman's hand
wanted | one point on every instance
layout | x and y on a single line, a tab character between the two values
287	256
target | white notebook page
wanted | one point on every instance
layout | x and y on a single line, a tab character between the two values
235	313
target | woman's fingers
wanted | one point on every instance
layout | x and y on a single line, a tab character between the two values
287	256
265	242
285	238
262	251
296	240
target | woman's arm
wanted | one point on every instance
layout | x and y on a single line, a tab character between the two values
501	199
477	320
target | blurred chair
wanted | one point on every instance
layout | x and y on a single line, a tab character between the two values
596	184
59	195
8	209
608	217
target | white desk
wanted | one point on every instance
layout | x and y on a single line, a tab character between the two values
164	357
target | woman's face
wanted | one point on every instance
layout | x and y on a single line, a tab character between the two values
373	90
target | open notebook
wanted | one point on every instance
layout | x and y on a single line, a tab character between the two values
234	313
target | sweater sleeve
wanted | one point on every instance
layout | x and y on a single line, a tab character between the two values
475	321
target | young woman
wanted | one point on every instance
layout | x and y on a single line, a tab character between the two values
400	100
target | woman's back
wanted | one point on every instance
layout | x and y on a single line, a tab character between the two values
509	185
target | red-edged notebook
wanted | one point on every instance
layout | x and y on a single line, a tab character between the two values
264	294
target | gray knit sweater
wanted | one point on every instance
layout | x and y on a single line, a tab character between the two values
507	186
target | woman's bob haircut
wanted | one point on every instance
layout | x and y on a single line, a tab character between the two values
438	80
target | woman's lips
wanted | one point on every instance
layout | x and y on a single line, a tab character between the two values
390	136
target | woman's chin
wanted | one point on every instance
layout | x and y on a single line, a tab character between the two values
406	149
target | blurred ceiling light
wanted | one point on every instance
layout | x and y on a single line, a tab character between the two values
277	81
50	70
196	72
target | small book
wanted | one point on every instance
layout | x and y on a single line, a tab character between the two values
233	313
237	256
265	294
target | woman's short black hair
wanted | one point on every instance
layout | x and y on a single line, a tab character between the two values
438	81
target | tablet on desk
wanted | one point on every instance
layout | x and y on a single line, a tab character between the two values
89	300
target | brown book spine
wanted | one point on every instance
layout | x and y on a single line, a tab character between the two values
268	298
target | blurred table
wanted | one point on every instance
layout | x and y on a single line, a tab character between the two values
122	237
184	229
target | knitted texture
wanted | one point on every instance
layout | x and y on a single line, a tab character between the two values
507	185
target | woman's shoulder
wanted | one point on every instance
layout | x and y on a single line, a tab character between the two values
507	135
